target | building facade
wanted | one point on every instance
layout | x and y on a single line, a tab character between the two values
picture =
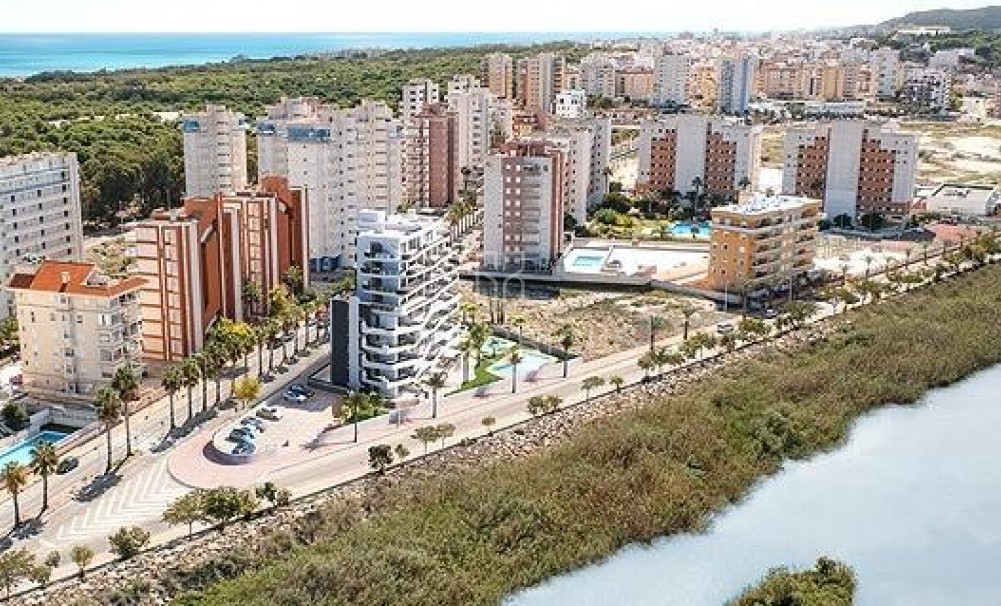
736	84
348	159
196	261
76	326
926	91
887	72
524	193
499	75
539	80
430	163
570	104
215	152
766	241
39	211
417	94
689	152
402	322
854	166
671	74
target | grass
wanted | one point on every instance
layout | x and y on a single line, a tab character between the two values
829	583
473	537
481	376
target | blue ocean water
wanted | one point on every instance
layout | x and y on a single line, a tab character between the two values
28	54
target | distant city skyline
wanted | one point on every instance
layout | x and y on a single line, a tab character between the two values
114	16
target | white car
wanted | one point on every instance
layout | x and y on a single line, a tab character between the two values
271	413
725	328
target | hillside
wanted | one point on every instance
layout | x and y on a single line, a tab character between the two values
987	18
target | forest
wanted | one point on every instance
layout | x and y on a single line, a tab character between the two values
121	124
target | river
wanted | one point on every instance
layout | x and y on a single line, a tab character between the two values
912	502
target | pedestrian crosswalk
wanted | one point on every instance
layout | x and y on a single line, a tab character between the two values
138	500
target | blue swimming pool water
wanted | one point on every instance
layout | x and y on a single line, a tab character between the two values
589	261
531	360
21	453
697	230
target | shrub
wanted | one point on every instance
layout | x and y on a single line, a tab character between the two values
129	542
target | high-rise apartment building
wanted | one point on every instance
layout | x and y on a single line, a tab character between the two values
540	79
597	76
430	162
40	212
736	83
76	326
887	72
215	152
499	72
763	241
636	83
586	143
417	94
348	159
195	261
475	109
570	104
402	321
926	90
671	74
272	133
854	166
689	152
524	206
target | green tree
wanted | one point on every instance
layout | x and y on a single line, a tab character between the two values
44	461
222	505
380	457
488	423
126	383
353	406
172	382
617	382
15	478
270	492
15	415
537	405
402	452
687	311
82	556
567	338
445	431
15	565
186	509
191	372
247	390
40	574
514	358
656	325
129	542
109	411
590	384
426	435
434	382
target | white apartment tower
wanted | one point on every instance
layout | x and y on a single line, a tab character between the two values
670	79
417	94
474	107
736	83
215	152
39	211
586	143
349	160
854	166
402	321
888	72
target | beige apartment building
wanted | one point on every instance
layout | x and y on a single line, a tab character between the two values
431	175
766	240
76	326
539	80
215	151
635	83
523	206
499	75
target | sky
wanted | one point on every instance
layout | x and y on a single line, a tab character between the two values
450	15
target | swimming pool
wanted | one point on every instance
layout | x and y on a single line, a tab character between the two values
592	261
530	360
21	453
691	230
495	346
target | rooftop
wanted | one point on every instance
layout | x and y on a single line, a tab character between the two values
964	199
72	278
761	203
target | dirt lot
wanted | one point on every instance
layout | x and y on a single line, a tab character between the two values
964	152
605	322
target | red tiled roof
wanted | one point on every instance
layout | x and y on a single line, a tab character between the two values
71	278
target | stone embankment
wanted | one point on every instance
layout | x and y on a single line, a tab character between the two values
161	573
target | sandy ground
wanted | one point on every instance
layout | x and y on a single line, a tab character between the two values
968	153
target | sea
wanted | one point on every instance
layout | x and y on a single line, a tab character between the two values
23	55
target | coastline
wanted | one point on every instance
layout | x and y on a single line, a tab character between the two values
425	510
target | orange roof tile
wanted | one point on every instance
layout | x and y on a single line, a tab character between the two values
71	278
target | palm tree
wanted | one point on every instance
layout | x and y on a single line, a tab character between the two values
687	311
591	383
478	335
519	323
646	364
466	348
868	264
352	407
172	382
126	384
15	478
191	374
435	381
567	338
514	357
44	460
617	382
656	324
109	409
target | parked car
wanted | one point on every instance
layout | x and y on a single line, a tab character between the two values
725	328
296	397
253	422
67	465
270	413
771	314
300	388
241	434
244	448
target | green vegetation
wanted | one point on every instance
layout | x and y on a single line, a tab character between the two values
472	537
129	542
131	157
829	583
